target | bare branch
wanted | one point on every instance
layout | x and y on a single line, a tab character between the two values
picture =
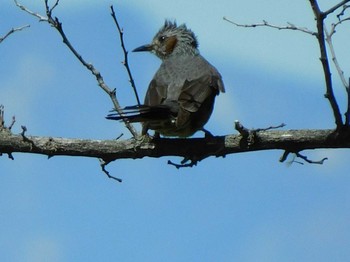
24	130
58	26
182	165
50	10
320	162
104	170
290	26
284	156
336	24
334	58
340	19
2	120
12	123
342	11
12	31
125	62
319	16
269	128
241	129
332	9
10	156
40	17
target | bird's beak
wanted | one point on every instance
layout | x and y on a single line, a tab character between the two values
143	48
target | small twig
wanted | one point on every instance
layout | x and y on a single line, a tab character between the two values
12	31
103	167
297	154
48	9
125	62
25	138
290	26
284	156
269	128
2	119
332	9
118	137
334	25
182	165
24	130
320	162
2	114
12	123
340	19
342	12
241	129
40	17
334	57
10	156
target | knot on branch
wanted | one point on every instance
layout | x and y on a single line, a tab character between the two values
250	136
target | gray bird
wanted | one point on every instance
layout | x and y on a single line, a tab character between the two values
181	95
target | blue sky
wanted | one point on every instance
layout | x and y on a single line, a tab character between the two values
245	207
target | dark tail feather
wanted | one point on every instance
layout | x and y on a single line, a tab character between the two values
142	113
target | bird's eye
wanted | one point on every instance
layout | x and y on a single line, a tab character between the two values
162	38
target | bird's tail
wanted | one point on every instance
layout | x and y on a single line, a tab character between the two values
142	113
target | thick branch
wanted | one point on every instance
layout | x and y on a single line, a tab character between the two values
194	149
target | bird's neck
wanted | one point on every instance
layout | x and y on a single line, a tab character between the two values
182	52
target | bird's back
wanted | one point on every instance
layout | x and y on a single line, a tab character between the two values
170	78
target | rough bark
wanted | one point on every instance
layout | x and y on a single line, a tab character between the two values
194	149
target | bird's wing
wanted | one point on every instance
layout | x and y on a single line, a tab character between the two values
196	91
156	93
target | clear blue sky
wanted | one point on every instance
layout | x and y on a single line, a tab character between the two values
245	207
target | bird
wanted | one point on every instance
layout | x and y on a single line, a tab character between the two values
180	97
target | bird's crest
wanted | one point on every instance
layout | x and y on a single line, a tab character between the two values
181	32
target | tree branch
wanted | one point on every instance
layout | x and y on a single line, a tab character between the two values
190	149
104	170
290	26
54	22
334	57
319	162
125	62
320	16
12	31
332	9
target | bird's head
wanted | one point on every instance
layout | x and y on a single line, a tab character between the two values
172	40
